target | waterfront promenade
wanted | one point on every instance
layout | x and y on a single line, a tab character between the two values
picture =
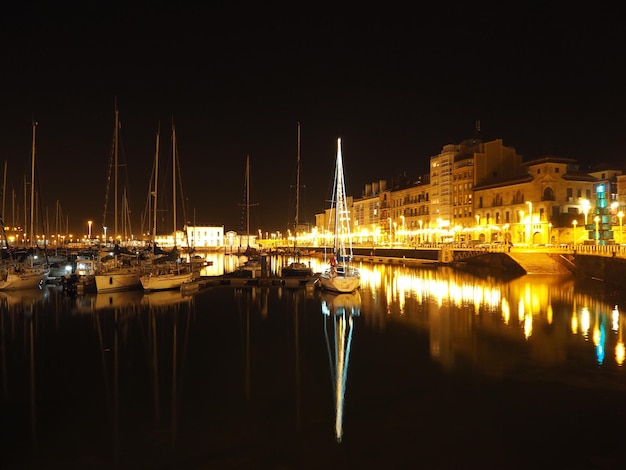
599	262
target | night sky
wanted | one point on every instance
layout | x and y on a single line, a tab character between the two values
395	82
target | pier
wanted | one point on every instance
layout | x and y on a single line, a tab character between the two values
604	263
309	283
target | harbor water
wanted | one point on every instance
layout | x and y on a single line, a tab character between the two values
423	367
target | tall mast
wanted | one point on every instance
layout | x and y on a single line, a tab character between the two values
156	185
295	228
174	176
4	188
115	153
248	199
338	199
32	187
26	222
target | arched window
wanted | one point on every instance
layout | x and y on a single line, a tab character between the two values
548	194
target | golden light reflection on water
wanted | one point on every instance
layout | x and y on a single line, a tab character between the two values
541	310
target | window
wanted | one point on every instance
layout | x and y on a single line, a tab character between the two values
548	194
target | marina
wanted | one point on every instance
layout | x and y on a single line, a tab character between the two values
429	274
267	375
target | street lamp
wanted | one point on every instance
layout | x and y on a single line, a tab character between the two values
585	204
620	215
550	233
597	221
530	222
421	238
574	223
89	223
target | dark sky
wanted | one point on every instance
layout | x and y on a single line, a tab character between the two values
395	82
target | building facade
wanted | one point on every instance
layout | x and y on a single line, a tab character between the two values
483	192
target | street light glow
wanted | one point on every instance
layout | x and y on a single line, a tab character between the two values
530	222
585	203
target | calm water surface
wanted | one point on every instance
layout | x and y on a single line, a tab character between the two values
427	368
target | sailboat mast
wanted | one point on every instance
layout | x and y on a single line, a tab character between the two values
26	222
156	185
32	187
295	228
338	194
248	200
174	178
4	188
115	153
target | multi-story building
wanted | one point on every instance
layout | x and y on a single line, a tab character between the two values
534	208
408	213
366	213
483	191
441	186
454	174
205	237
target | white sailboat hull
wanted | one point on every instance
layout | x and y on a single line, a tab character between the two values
119	280
343	282
170	281
27	279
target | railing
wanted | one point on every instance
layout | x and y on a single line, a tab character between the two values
612	251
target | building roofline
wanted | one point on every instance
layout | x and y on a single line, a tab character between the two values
505	182
549	159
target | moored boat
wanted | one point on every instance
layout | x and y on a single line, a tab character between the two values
19	275
120	279
340	275
297	268
166	277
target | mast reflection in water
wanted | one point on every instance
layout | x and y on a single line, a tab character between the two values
447	370
338	311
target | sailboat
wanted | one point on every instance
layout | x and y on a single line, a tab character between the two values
340	309
252	267
16	274
166	274
119	272
340	275
26	272
297	268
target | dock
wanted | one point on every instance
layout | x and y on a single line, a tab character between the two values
309	283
